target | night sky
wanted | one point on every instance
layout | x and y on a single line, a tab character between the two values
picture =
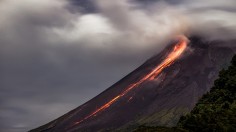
57	54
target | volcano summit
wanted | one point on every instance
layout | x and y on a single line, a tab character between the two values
161	90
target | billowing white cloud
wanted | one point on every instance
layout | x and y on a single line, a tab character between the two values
211	19
121	25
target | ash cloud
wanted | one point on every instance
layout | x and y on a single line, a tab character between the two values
55	55
213	20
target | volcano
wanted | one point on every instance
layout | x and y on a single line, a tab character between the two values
157	93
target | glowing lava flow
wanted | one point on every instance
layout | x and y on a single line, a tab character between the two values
177	51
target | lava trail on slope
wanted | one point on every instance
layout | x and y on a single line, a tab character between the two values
176	52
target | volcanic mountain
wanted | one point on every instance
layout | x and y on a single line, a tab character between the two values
161	90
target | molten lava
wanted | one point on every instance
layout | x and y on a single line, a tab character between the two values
175	54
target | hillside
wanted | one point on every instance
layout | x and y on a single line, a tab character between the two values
215	111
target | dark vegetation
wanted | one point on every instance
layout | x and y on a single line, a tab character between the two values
214	112
159	129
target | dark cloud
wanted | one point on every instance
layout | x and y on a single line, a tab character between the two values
55	56
148	2
85	6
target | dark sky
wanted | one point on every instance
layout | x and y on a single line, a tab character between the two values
57	54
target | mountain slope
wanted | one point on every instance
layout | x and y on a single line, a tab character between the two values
161	101
216	110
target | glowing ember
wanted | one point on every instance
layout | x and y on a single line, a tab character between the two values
130	98
177	51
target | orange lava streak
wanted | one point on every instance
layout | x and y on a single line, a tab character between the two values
177	51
